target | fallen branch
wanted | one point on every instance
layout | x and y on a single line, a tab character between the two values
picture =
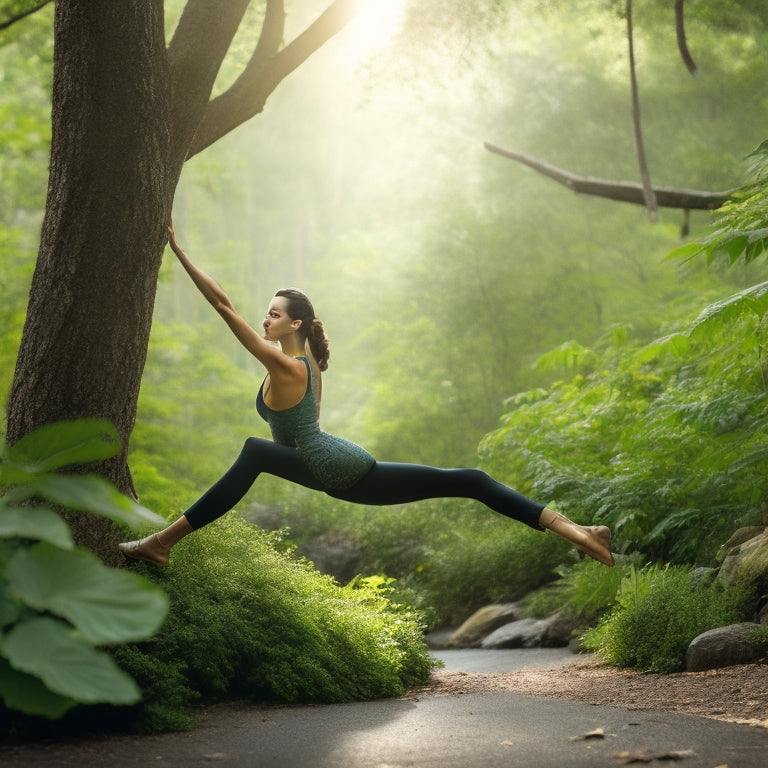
622	191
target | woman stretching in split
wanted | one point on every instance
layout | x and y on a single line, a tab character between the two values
294	350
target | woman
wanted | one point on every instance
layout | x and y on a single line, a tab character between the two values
294	350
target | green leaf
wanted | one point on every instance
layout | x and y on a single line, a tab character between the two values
752	300
37	523
675	343
28	694
106	604
9	611
569	355
10	474
687	251
65	443
48	649
90	493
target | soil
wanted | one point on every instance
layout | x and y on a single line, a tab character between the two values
737	694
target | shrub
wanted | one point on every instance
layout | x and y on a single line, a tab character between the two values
658	612
248	621
586	590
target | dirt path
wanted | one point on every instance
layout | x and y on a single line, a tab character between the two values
734	694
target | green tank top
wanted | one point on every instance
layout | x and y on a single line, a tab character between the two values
337	463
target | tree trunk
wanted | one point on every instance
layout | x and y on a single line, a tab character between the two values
126	113
109	202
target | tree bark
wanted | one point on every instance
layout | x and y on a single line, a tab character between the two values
109	198
622	191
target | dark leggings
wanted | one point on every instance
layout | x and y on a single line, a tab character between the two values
386	483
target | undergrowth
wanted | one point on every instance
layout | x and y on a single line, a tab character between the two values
657	613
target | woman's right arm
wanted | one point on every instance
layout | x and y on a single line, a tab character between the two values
268	354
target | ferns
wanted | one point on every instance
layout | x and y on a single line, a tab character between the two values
666	441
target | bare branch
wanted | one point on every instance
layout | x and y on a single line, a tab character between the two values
645	176
23	14
271	37
249	93
622	191
682	43
198	47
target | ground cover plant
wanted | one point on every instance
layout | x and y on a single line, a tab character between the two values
658	612
248	621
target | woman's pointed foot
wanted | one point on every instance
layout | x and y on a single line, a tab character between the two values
150	550
592	540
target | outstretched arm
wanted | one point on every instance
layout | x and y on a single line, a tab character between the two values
212	291
268	354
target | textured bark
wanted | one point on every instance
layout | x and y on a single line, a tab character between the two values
109	197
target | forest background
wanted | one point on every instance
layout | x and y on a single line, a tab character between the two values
469	301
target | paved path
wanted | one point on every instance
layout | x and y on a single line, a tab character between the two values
487	730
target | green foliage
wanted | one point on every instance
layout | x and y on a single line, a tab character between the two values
58	603
664	441
741	233
247	621
658	612
586	590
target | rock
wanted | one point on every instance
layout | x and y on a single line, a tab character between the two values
699	575
762	615
525	633
560	629
481	623
746	562
334	554
723	647
738	537
438	639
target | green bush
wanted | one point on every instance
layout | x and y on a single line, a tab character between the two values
586	590
248	621
448	556
658	612
664	440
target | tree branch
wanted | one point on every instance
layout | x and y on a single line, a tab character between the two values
645	176
622	191
198	47
23	14
682	43
248	94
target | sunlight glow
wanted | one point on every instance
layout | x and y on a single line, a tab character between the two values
376	24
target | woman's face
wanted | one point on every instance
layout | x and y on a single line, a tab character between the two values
277	324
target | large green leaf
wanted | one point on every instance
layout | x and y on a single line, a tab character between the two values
9	610
89	493
48	649
29	694
106	605
65	443
752	300
35	523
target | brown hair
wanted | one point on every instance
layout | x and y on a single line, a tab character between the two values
311	329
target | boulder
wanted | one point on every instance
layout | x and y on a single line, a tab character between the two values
560	630
746	562
723	647
333	554
524	633
739	537
481	623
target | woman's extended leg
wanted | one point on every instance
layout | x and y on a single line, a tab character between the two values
256	457
394	483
